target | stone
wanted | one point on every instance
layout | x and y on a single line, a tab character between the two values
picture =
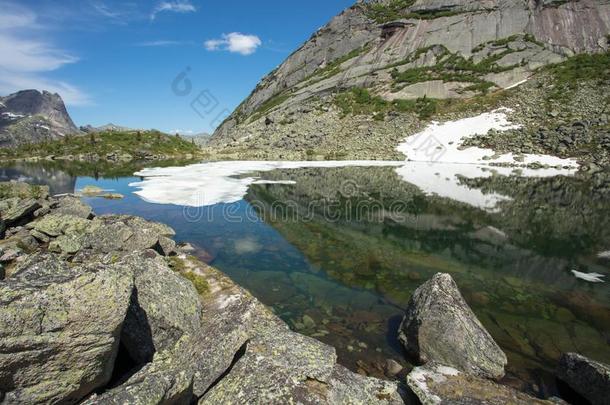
166	246
19	210
70	205
589	378
66	244
110	237
57	224
392	368
437	384
59	330
91	191
40	236
163	308
439	326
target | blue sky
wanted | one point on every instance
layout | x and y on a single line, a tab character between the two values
117	61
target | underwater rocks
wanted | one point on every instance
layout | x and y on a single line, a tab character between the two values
439	326
437	384
587	377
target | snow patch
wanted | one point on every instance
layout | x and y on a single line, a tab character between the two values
440	143
512	86
12	116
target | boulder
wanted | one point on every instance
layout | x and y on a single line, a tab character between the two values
439	326
15	210
59	329
163	308
57	224
589	378
436	384
70	205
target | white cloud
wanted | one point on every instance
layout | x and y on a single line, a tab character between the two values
24	56
179	6
30	55
234	42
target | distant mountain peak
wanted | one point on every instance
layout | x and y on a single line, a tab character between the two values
31	116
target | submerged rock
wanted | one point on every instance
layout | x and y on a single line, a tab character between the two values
439	326
59	329
589	378
437	384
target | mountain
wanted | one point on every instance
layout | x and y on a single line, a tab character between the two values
201	139
30	116
377	70
107	128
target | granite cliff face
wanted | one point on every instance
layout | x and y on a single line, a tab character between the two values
403	50
30	116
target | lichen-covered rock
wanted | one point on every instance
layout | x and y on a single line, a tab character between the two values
439	326
70	205
589	378
163	308
20	190
59	329
436	384
57	224
15	210
167	246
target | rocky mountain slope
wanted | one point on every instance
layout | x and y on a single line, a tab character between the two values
30	116
405	56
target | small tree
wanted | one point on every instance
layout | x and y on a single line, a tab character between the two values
92	138
139	136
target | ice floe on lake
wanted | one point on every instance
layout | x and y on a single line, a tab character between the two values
590	277
219	182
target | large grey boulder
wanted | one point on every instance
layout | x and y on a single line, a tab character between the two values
436	384
164	307
59	329
439	326
589	378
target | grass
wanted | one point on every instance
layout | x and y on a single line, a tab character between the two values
359	101
133	143
199	282
334	67
581	67
452	68
393	10
398	9
269	105
568	74
179	266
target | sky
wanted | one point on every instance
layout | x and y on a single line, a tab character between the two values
173	65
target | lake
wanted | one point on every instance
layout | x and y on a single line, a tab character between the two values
337	249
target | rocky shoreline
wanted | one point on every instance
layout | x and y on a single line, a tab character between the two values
109	309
